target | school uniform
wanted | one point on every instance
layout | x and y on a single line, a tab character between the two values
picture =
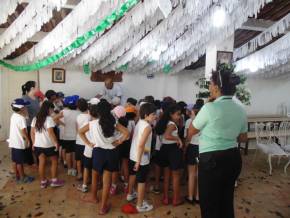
105	155
16	142
220	123
42	142
143	171
170	154
70	129
82	120
125	146
192	151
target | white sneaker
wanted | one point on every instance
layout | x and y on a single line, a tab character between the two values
69	172
131	197
145	207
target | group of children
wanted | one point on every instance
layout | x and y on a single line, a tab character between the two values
99	142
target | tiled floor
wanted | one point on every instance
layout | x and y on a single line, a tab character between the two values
258	195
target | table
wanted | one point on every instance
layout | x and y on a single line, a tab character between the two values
261	119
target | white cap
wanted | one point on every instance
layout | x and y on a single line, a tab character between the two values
94	101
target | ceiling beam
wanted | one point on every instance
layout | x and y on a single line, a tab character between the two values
71	4
36	38
257	24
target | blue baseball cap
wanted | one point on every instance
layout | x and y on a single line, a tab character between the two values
71	100
19	103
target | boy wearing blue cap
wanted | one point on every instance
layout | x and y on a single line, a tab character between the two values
69	115
19	140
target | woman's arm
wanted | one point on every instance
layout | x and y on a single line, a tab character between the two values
57	118
52	137
191	132
82	132
243	137
141	146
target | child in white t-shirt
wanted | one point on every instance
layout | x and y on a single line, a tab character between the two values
45	144
19	139
69	115
140	153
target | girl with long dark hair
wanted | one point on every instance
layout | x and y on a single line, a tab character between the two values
45	144
171	151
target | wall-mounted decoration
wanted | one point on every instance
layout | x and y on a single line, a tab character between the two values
58	75
224	57
99	76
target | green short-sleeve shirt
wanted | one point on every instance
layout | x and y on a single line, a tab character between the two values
220	123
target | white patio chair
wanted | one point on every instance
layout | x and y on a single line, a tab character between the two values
284	138
266	142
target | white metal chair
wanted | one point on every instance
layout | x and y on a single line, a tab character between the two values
284	137
266	142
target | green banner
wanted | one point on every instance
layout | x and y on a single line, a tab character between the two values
103	25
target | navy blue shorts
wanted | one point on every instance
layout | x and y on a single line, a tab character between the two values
87	163
124	149
170	155
79	152
18	155
105	159
141	174
48	152
69	145
192	154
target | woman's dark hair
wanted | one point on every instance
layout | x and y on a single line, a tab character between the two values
82	105
182	105
226	81
50	93
130	116
199	102
166	117
146	109
106	119
27	87
93	109
42	114
123	121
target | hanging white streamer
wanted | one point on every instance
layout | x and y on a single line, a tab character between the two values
263	38
7	8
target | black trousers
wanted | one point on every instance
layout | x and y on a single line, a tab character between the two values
217	173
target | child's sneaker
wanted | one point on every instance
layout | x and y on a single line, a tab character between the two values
145	207
44	183
69	172
113	190
83	188
56	183
131	197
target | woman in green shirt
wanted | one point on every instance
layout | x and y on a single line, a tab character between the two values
221	123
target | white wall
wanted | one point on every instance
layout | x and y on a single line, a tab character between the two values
267	94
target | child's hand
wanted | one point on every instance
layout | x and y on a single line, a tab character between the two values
137	166
180	143
91	145
32	148
117	142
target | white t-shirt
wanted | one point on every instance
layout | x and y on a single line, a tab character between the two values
17	123
61	130
138	132
70	121
97	137
42	139
174	133
109	94
195	139
82	120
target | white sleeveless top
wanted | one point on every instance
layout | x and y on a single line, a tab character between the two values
174	133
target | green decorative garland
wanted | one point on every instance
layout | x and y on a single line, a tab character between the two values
103	25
